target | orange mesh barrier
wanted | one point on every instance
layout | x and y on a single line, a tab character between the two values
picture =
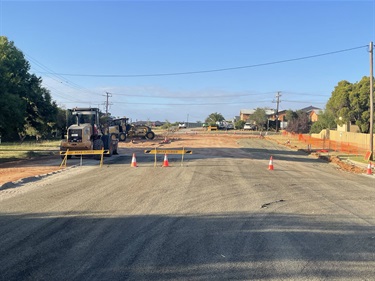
328	145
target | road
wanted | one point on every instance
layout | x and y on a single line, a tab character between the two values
222	215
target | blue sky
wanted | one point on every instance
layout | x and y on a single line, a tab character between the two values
182	60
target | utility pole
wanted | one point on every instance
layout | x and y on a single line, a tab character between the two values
371	101
107	103
277	110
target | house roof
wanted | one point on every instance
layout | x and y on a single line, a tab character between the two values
251	111
310	108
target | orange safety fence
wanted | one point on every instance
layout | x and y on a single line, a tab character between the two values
326	145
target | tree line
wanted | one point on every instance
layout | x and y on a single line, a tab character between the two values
349	103
27	108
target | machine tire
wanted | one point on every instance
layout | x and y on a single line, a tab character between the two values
150	135
98	145
122	137
108	144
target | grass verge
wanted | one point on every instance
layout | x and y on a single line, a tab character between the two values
16	151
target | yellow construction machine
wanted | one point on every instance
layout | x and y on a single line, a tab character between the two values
84	132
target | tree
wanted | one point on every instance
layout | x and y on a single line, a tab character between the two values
239	124
13	70
214	117
298	122
26	107
351	103
166	124
326	121
60	126
260	117
290	115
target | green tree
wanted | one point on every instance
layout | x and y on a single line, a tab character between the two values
260	117
326	121
12	71
60	126
239	124
351	103
166	124
290	115
213	118
26	107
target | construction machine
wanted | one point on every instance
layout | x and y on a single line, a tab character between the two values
120	127
84	132
123	129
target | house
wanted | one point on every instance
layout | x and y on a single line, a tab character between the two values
313	112
314	115
246	113
310	108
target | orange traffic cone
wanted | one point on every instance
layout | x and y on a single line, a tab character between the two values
270	165
166	163
369	171
134	161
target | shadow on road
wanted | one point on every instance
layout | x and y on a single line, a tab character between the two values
242	246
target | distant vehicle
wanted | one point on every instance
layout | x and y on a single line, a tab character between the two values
221	125
204	125
249	126
230	126
182	125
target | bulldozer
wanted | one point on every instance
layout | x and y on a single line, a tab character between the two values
84	132
124	130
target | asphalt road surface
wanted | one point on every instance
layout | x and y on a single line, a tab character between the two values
222	215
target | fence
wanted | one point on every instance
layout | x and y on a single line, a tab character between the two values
325	144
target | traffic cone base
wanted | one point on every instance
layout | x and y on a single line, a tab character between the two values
134	161
165	163
270	165
369	171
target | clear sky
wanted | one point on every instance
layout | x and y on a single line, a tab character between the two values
182	60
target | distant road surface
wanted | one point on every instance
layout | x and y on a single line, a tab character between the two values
222	215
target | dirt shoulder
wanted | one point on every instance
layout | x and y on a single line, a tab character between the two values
351	167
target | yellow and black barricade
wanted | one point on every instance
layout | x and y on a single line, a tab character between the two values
156	151
81	153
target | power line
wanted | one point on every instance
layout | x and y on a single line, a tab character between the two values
206	71
57	77
198	97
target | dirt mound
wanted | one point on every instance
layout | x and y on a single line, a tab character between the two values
348	167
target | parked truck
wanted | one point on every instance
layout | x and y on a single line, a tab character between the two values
84	132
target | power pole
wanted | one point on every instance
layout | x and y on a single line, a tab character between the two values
277	110
371	102
107	103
